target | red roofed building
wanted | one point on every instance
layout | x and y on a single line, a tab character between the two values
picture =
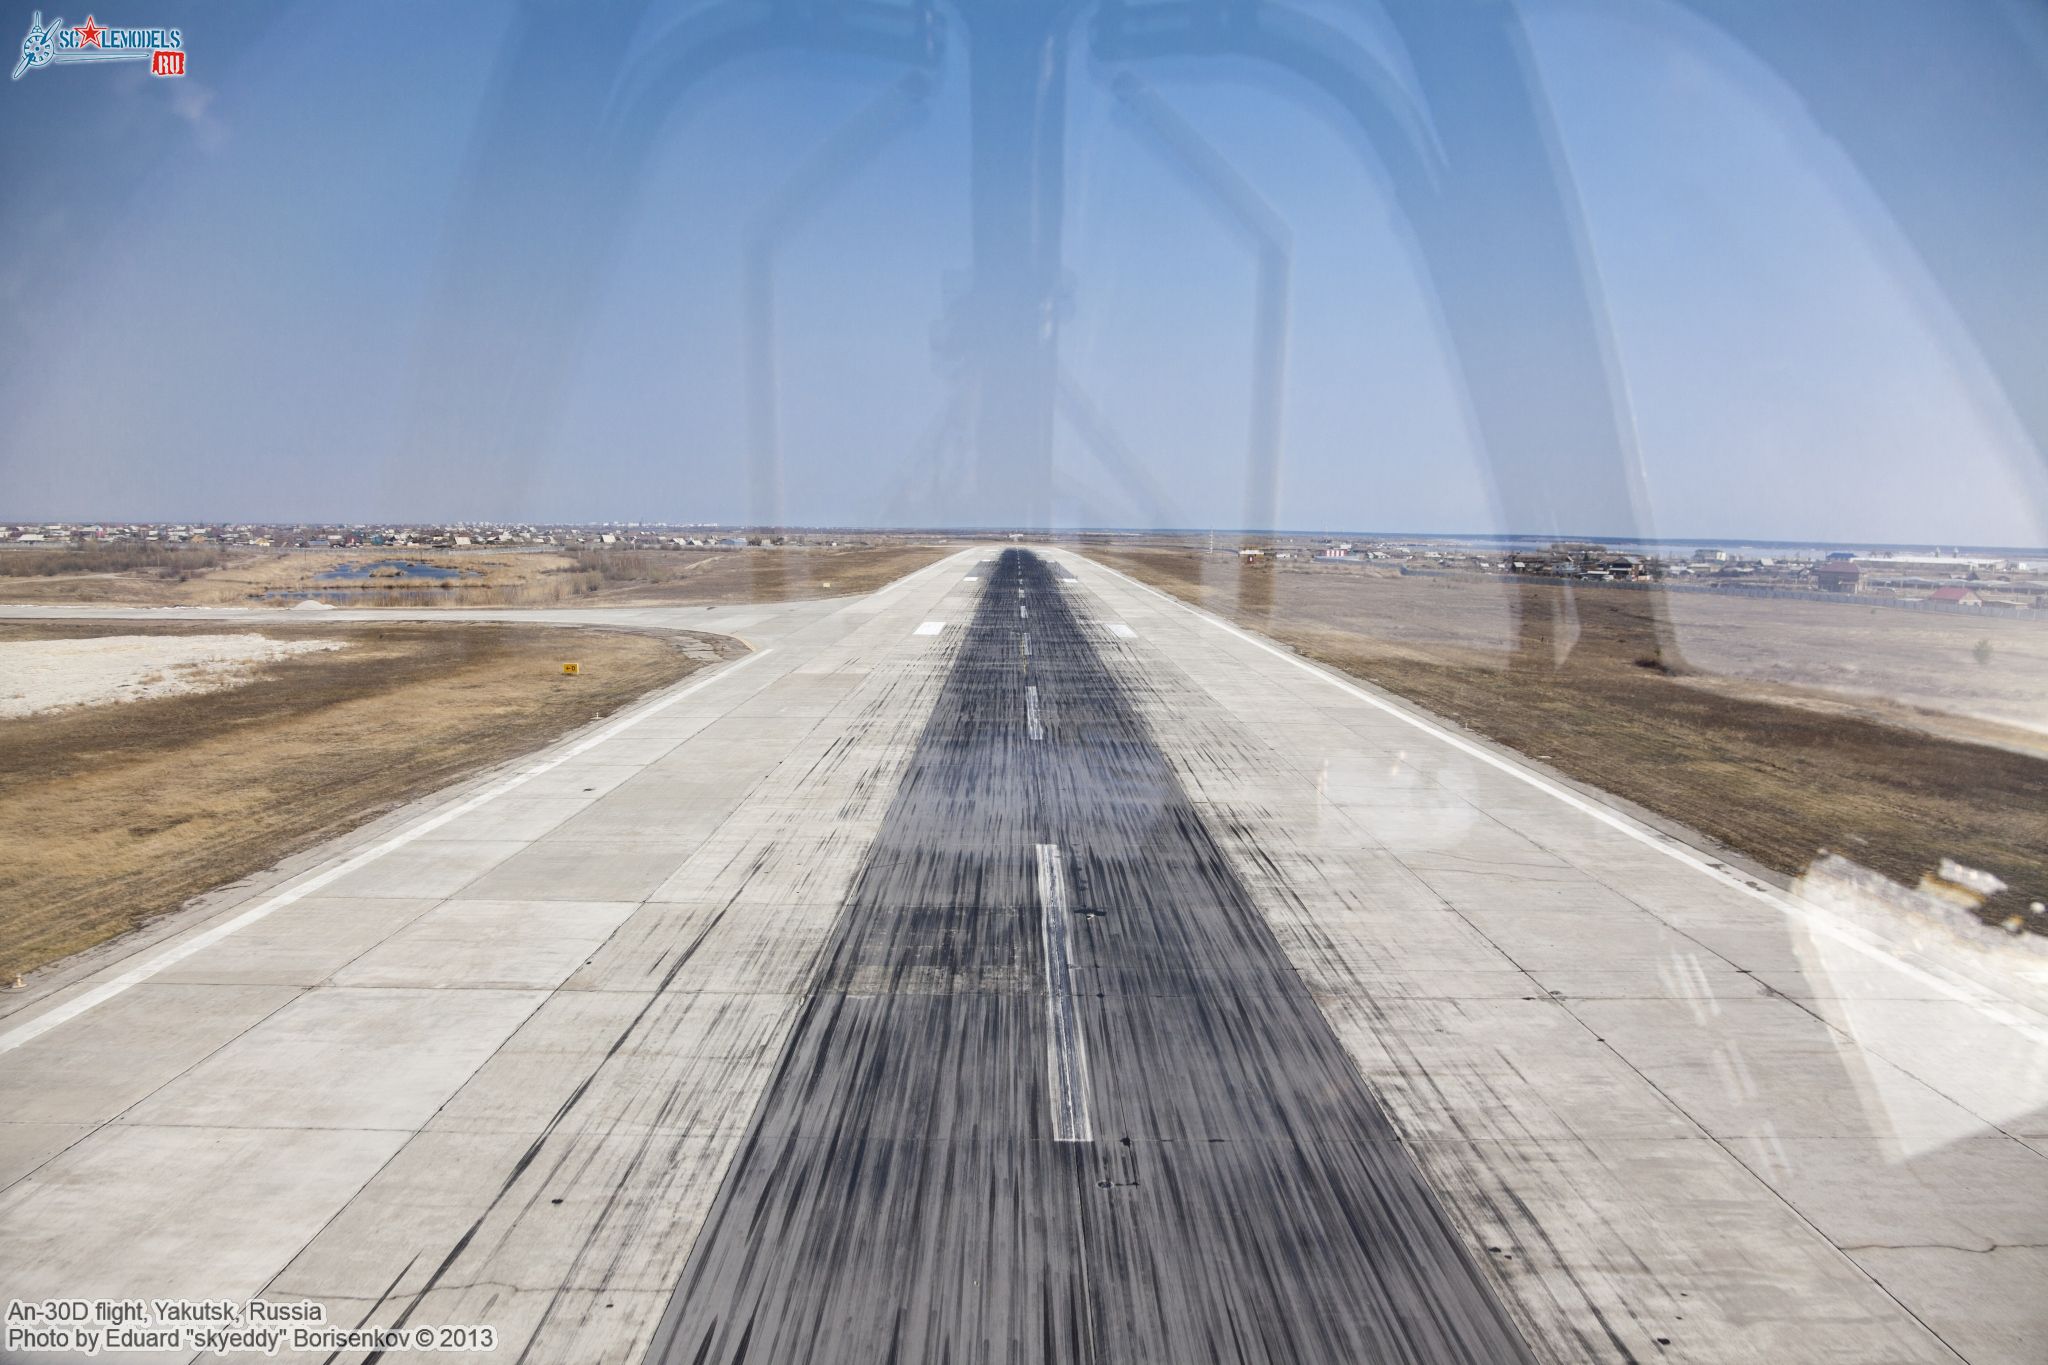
1837	575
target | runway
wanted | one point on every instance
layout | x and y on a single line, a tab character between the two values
970	1150
1016	965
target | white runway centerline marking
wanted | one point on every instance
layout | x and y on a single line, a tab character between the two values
1031	713
72	1008
1066	1056
930	628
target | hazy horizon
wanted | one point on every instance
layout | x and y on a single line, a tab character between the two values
963	529
326	277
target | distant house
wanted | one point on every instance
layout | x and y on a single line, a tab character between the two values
1838	575
1956	593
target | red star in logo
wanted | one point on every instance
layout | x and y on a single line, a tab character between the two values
89	33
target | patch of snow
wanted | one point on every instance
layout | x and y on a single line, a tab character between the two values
50	675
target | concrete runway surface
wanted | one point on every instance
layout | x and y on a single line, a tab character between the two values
1017	965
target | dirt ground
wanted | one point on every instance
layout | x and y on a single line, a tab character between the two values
241	578
776	574
481	577
111	815
1774	757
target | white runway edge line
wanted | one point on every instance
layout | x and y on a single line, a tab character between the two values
1066	1057
1814	919
930	628
886	594
100	994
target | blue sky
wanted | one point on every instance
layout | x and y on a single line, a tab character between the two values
236	296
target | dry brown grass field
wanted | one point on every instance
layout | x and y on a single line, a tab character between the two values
1877	736
771	574
111	815
242	578
483	577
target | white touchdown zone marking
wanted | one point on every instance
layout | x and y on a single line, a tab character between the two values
1066	1054
170	957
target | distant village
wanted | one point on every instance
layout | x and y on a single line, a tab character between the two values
454	536
1945	578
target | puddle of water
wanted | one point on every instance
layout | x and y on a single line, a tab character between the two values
392	571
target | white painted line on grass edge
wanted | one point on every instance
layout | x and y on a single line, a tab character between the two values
107	990
886	594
